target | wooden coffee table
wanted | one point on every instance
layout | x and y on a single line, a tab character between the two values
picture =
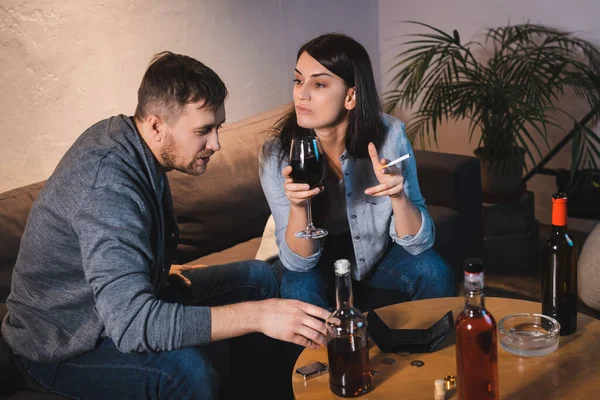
572	372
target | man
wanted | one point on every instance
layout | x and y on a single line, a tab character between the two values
94	311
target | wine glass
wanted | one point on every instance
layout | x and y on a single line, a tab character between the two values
306	159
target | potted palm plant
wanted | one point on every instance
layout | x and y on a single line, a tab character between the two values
508	90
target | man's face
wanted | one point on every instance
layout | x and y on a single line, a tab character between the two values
191	141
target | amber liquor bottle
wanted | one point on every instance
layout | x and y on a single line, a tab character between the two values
347	342
559	270
476	341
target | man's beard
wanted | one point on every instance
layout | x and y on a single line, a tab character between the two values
169	155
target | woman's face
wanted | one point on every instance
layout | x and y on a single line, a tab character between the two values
321	98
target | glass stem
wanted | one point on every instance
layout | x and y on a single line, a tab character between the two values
309	215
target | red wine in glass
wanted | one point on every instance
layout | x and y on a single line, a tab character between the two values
308	170
306	160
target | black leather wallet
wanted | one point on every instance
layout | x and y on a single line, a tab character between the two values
409	340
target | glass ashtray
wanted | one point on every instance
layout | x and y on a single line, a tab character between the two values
529	335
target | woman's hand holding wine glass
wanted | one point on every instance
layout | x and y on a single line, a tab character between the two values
298	193
303	179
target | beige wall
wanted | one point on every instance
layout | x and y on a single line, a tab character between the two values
66	64
469	17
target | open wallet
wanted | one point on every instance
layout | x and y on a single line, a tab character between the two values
409	340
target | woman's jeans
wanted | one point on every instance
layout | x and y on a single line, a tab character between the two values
398	276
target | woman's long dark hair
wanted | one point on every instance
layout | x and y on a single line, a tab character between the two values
349	60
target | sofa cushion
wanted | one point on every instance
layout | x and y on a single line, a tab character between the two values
14	210
445	219
447	234
241	251
226	205
454	181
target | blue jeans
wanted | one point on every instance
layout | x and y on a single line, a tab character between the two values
225	369
398	276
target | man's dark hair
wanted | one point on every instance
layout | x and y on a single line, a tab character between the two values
174	80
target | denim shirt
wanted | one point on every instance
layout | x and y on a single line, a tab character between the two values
371	219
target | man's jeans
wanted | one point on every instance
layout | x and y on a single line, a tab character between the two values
227	369
398	276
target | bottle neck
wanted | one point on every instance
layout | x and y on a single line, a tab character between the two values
558	229
343	291
474	290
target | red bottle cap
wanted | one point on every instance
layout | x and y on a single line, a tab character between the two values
559	209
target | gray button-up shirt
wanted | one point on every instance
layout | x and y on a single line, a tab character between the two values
370	218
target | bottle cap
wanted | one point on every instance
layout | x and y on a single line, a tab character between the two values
559	197
450	382
473	265
559	209
342	266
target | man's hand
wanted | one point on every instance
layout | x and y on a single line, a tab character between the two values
391	180
294	321
176	272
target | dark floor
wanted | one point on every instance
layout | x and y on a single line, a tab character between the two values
527	285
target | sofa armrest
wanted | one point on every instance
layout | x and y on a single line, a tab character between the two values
449	180
14	211
454	181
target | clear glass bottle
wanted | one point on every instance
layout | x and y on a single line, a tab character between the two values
347	343
476	341
559	270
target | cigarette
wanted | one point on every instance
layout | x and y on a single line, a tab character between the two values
396	161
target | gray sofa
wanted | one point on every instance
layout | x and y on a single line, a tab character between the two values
222	214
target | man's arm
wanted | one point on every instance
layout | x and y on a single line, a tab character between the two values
288	320
113	231
113	227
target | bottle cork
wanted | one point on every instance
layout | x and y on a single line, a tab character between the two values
342	266
440	390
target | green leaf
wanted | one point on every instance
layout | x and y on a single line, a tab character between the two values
456	36
511	96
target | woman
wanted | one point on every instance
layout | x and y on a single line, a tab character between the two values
376	217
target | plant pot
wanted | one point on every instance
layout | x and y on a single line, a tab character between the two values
501	181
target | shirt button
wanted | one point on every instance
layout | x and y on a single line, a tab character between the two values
362	260
349	194
173	235
357	237
347	172
353	217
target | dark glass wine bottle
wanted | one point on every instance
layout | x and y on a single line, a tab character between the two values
476	341
347	344
559	270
